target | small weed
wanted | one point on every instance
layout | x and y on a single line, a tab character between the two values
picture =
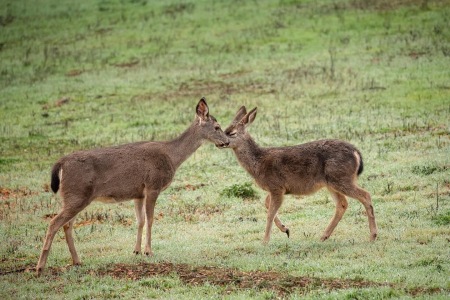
240	190
388	188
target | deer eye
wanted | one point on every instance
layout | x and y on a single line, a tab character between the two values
216	128
233	133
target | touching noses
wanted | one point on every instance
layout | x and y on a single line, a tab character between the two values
224	144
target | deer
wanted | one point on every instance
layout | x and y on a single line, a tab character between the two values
139	171
300	170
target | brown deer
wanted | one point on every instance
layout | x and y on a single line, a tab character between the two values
139	171
300	170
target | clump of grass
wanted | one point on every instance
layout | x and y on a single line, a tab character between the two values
240	190
7	163
442	218
427	170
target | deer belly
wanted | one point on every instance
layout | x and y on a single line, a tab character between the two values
107	200
305	189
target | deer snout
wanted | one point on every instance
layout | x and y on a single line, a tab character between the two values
223	144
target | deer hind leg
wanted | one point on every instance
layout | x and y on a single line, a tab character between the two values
277	221
64	216
150	202
274	205
140	218
341	207
364	197
68	230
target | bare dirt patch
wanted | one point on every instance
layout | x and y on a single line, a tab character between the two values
231	279
128	64
204	87
234	279
74	73
6	193
386	5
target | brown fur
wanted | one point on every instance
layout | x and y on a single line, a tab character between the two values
138	171
300	170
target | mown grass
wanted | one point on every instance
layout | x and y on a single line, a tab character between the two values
99	73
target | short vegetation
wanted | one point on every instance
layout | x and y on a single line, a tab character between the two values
86	74
245	190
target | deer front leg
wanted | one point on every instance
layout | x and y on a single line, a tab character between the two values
150	202
140	219
277	221
274	204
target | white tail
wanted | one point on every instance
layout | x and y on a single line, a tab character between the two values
300	170
138	171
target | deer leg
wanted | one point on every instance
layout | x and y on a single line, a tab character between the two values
277	221
150	201
274	205
68	230
140	218
341	207
64	216
364	197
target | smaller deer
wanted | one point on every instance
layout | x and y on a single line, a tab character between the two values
139	171
300	170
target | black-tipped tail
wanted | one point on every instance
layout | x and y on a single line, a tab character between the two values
361	164
55	177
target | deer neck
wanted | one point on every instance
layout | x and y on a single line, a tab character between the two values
249	155
184	145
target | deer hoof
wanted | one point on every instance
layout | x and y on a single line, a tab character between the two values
148	253
287	232
136	252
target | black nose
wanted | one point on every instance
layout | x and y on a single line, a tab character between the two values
223	145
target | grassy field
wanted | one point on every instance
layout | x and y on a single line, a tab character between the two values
85	74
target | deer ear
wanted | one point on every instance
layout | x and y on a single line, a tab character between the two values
252	116
240	114
249	118
202	109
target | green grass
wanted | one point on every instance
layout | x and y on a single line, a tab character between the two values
80	75
244	191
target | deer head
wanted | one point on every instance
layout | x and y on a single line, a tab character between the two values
236	132
208	126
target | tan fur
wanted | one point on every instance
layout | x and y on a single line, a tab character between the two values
138	171
300	170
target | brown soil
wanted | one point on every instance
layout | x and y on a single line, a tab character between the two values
6	193
231	279
386	5
127	64
234	279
